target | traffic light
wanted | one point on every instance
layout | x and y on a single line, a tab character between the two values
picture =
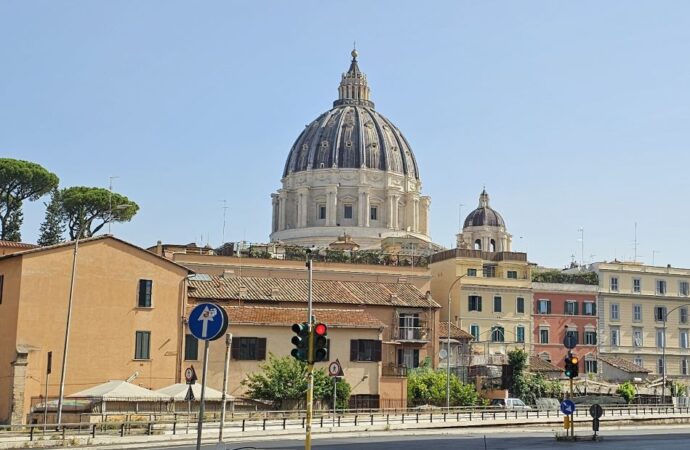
571	366
301	341
320	342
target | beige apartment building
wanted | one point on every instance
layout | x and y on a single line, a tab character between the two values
641	308
127	304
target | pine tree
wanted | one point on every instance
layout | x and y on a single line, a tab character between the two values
13	225
53	227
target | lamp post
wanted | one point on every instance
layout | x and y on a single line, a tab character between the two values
663	352
450	291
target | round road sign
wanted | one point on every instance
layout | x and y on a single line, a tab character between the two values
570	341
334	369
207	321
567	407
596	411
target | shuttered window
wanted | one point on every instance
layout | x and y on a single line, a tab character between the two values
249	349
145	288
142	345
191	348
365	350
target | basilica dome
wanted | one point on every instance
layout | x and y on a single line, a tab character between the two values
352	135
351	171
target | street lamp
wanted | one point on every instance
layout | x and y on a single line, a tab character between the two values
450	291
663	352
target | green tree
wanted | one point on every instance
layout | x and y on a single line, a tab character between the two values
286	379
627	391
426	386
88	209
53	226
19	181
527	386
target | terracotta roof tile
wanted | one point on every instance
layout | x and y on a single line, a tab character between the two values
273	316
12	244
296	290
456	332
537	364
623	364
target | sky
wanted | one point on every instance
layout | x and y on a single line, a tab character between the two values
573	115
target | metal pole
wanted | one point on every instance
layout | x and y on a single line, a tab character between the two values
67	327
310	357
228	343
45	406
450	291
201	401
335	398
572	417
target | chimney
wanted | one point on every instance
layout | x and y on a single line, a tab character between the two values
159	248
274	292
228	273
393	298
402	280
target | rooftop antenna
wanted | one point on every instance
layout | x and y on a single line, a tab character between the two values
635	244
225	210
654	252
110	200
460	216
582	245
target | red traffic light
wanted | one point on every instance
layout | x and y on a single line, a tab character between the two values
320	329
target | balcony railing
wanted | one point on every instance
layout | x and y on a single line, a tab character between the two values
393	370
486	256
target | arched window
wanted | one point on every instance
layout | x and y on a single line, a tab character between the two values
492	246
497	334
478	244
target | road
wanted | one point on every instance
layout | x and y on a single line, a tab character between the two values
666	438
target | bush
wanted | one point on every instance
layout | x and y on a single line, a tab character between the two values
426	386
627	391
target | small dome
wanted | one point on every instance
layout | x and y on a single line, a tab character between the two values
484	215
352	135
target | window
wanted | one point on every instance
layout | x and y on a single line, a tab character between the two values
615	336
497	304
590	309
660	338
373	215
614	284
590	338
684	366
145	288
590	365
489	271
471	272
347	213
520	305
637	285
683	315
573	333
478	244
367	350
637	313
191	348
659	313
142	345
638	340
683	335
322	212
660	365
497	334
248	348
544	306
408	325
638	361
543	335
474	303
661	287
614	311
408	357
512	274
571	307
474	331
520	334
683	288
2	282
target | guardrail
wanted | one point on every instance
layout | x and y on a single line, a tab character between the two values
182	424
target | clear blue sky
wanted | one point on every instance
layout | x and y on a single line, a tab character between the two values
572	114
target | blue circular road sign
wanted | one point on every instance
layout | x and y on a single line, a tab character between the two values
567	407
207	321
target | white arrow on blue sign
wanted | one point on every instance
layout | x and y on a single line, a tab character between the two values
567	407
207	321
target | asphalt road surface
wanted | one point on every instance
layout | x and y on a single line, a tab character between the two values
671	438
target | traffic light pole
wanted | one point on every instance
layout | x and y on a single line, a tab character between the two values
572	419
310	358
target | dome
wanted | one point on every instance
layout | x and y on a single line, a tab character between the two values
352	135
484	215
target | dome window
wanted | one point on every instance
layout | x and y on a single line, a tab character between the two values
347	212
478	244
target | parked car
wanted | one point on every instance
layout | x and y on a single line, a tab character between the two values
508	403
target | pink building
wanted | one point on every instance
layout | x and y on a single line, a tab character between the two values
566	308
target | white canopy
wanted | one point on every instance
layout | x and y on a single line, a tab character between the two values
120	390
178	392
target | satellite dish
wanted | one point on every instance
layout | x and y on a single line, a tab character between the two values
443	354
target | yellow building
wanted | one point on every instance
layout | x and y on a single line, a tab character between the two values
488	285
125	320
634	300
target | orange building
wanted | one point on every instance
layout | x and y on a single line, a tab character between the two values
127	304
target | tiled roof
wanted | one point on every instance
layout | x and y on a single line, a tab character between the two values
537	364
323	291
271	316
456	332
623	364
12	244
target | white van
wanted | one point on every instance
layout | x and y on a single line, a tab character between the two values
509	403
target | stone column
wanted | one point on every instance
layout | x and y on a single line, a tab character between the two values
424	215
415	224
332	205
303	207
275	212
363	216
282	199
18	382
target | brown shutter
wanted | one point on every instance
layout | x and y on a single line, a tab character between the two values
235	350
354	350
377	351
260	349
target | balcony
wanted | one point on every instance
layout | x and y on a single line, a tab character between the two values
393	370
486	256
412	334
